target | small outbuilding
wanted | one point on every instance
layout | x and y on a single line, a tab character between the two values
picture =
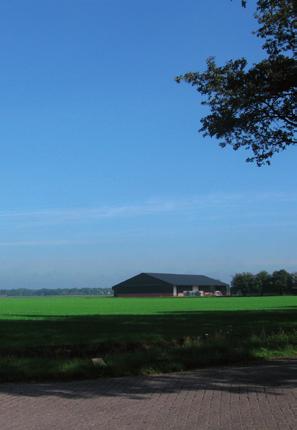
169	285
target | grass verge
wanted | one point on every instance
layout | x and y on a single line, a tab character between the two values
149	357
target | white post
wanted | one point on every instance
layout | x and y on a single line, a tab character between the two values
174	291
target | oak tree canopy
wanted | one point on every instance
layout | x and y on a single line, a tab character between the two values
254	107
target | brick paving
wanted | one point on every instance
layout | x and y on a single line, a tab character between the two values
261	397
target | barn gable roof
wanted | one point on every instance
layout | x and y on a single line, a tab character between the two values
182	280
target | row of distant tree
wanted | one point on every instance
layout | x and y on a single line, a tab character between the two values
57	292
278	282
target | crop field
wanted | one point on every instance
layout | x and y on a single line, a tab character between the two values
57	337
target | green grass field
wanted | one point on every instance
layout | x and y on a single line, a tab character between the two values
55	337
44	307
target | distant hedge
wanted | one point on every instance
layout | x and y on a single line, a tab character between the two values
56	292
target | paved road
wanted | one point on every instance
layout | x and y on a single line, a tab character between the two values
254	398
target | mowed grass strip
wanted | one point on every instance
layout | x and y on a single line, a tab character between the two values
58	336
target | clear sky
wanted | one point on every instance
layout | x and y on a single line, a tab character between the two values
102	171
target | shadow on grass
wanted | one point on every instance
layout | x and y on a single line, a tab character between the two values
61	348
18	335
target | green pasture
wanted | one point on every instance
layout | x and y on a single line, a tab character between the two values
39	336
49	307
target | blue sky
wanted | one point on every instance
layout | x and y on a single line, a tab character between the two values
103	173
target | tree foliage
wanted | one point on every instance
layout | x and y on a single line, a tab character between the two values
282	281
255	107
244	282
279	282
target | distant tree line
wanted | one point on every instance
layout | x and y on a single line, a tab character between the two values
279	282
56	292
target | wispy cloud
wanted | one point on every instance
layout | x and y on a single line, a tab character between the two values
85	214
20	243
150	207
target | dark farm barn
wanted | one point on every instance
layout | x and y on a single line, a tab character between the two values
168	285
